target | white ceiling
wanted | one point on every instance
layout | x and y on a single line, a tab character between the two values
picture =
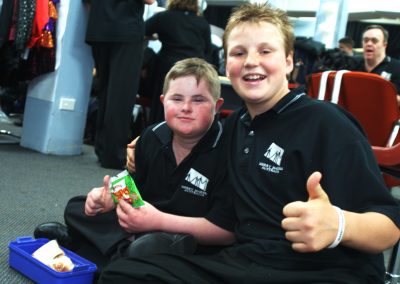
383	11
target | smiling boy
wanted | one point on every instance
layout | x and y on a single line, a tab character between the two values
281	146
184	206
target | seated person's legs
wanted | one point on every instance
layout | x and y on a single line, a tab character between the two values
161	242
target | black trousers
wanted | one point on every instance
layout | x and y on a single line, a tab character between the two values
118	68
229	266
100	239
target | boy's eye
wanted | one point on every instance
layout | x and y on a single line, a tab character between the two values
176	98
237	53
265	51
198	99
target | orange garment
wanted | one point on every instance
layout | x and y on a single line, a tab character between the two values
40	21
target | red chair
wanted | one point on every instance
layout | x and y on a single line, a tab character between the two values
369	97
389	160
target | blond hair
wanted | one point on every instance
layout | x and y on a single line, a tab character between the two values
257	13
200	69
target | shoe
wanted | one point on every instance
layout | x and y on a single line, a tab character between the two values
53	231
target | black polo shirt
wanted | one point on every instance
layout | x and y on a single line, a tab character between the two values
183	34
191	188
115	21
270	159
389	69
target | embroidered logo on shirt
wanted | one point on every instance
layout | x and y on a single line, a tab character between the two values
274	153
197	179
387	76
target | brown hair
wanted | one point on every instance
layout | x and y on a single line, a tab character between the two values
183	5
198	68
379	27
257	13
348	41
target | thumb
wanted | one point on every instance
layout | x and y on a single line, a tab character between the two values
106	182
314	188
106	187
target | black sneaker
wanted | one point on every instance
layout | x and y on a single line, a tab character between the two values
53	231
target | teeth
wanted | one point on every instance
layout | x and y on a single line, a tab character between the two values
254	77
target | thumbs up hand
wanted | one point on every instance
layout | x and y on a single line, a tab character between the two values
99	199
312	225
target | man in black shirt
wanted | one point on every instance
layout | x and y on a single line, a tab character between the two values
115	32
375	39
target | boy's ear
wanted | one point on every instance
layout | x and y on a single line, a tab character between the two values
289	63
162	99
219	104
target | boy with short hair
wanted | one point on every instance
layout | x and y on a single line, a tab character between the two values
183	204
290	229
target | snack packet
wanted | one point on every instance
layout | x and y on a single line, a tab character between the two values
123	187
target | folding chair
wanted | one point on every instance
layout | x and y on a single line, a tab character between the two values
389	160
369	97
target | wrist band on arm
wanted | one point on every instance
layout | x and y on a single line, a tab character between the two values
342	225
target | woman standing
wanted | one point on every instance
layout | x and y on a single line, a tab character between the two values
184	33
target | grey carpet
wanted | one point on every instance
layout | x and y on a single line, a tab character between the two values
35	188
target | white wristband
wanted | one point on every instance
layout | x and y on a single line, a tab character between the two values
342	225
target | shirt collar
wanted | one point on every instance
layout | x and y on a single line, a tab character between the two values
209	140
287	100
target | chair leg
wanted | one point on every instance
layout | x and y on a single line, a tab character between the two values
393	270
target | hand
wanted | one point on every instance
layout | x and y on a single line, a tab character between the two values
136	220
312	225
130	156
99	199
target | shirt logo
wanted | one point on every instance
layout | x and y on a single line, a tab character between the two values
274	153
197	179
387	76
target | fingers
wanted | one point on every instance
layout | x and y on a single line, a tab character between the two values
291	224
133	143
130	158
91	206
130	165
294	209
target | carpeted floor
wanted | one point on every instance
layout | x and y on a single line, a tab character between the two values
35	188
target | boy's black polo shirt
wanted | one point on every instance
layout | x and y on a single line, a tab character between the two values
191	188
270	159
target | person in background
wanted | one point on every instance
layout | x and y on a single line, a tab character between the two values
309	198
115	31
185	208
183	33
346	44
374	42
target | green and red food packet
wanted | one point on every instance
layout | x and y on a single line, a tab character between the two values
122	186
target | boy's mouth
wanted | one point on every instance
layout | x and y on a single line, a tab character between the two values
254	77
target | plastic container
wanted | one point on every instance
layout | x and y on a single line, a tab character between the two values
20	258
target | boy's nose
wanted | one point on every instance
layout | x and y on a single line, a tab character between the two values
187	106
251	59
